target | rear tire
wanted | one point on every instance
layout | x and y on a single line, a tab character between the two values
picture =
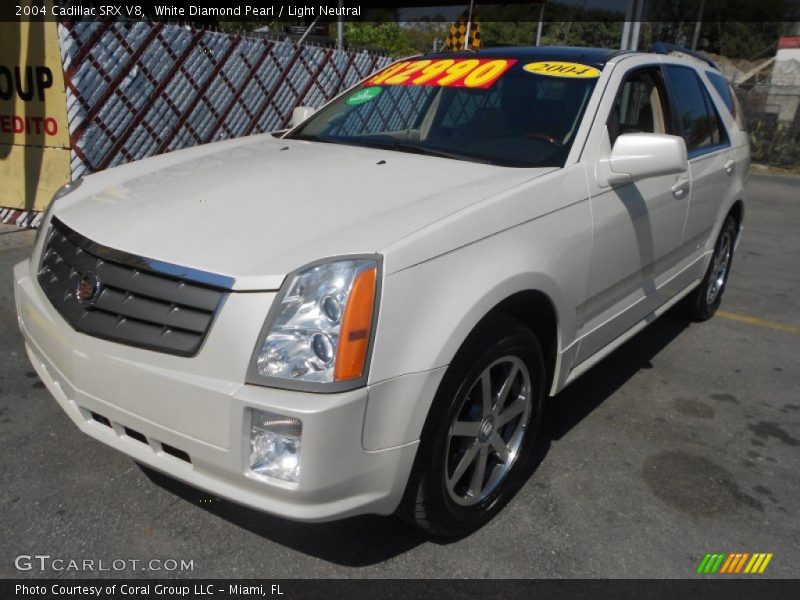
475	446
704	301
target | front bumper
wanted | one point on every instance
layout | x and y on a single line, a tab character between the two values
151	405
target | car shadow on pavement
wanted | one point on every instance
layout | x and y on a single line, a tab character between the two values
354	542
580	398
573	404
367	540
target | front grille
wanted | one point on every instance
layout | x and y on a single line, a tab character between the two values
123	298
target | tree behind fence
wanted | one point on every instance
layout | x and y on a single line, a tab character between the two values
773	120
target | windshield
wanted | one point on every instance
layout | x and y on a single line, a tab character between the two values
498	111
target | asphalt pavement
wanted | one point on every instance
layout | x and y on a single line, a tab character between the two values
683	442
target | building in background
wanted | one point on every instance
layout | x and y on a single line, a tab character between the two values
785	79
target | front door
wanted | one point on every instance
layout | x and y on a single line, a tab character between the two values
638	227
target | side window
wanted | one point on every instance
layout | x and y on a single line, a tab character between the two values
641	105
728	97
701	126
718	133
719	83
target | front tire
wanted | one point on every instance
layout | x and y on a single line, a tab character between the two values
704	301
480	431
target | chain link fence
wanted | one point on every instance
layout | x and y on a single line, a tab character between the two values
773	120
139	89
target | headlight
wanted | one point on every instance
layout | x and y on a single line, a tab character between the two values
65	189
318	334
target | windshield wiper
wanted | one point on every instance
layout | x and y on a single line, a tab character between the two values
305	137
396	145
402	146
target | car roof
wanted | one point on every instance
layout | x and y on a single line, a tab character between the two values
595	57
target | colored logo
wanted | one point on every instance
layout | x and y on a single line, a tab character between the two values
554	68
364	95
88	290
734	563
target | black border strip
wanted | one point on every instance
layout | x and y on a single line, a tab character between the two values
700	588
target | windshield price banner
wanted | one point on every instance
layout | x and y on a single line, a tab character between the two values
444	72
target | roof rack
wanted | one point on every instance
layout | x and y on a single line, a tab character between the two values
664	48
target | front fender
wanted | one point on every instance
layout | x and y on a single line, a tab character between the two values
428	310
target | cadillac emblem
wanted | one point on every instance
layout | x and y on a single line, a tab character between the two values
87	290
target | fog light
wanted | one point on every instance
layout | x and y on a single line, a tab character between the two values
275	445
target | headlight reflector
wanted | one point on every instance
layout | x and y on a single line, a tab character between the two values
319	331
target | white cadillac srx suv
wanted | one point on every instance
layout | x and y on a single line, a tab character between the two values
365	313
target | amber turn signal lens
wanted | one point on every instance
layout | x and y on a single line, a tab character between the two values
356	327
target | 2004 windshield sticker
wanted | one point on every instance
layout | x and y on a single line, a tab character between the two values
445	72
562	69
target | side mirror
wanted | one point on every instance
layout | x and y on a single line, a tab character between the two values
300	114
640	155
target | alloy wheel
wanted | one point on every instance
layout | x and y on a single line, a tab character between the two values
488	431
719	269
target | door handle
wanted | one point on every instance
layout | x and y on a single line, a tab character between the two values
728	166
681	187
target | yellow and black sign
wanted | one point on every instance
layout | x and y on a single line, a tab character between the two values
553	68
457	38
34	136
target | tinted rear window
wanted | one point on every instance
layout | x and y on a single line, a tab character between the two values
700	122
719	83
728	97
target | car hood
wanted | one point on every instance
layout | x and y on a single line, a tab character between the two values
255	209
